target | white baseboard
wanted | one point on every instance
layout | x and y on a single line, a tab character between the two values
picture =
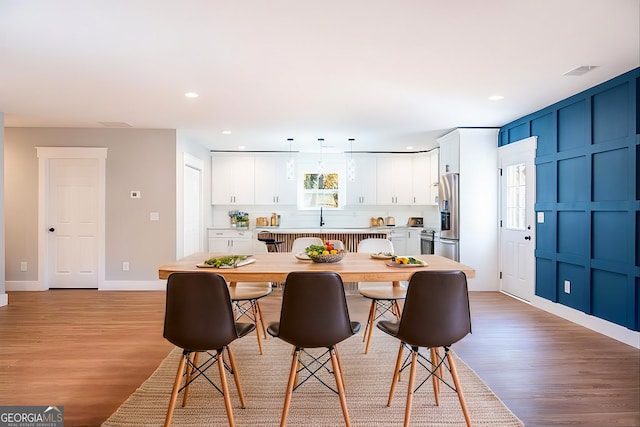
133	285
617	332
4	300
25	285
107	285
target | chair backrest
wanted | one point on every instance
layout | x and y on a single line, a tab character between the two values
259	247
314	310
198	313
301	243
373	246
436	310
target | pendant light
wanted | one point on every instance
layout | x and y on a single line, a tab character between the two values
290	163
351	164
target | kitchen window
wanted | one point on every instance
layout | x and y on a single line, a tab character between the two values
516	196
321	190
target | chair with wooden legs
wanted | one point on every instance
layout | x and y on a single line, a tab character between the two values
435	315
245	297
314	314
199	320
384	296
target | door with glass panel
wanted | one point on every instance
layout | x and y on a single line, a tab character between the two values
517	216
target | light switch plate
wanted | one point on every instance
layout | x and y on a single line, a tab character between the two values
135	194
540	217
154	216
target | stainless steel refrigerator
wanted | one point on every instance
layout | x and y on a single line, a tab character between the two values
449	195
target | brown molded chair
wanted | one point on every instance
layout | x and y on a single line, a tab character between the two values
314	315
384	296
245	297
199	319
436	314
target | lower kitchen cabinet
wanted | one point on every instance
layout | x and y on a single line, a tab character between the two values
230	241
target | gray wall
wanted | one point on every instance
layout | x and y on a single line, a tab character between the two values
137	159
2	203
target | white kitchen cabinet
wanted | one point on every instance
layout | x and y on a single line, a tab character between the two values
413	241
449	154
434	177
421	179
271	184
232	180
228	241
362	189
473	153
399	239
394	180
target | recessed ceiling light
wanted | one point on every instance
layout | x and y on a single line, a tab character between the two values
496	97
241	147
409	148
226	132
191	95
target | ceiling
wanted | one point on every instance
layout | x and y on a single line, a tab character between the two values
389	74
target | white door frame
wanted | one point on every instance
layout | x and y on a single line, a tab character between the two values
44	155
191	162
527	145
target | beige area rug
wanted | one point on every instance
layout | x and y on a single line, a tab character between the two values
264	379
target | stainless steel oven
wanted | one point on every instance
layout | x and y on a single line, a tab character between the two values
428	239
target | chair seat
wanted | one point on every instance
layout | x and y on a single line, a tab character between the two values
387	293
248	292
389	326
244	328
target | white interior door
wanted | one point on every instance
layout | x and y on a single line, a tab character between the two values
72	211
517	218
192	210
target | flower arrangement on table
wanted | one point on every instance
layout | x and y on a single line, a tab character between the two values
324	253
239	219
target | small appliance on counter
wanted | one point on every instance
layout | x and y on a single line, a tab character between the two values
415	221
391	221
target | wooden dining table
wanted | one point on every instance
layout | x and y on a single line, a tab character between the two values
275	266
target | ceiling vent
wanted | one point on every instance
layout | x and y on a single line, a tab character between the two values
116	124
578	71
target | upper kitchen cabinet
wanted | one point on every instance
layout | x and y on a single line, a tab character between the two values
394	180
361	190
232	180
425	179
272	185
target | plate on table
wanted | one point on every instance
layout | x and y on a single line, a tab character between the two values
382	255
232	261
303	256
411	262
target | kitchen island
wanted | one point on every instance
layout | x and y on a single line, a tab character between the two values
349	236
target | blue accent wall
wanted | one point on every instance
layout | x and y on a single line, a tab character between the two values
587	185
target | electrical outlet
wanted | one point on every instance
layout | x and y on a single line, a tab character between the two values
567	287
125	266
23	266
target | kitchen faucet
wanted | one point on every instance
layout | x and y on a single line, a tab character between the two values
321	219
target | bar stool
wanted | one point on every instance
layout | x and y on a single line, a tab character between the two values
272	244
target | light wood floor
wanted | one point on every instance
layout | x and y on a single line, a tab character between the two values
89	350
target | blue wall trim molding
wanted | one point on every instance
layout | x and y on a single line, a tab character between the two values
587	185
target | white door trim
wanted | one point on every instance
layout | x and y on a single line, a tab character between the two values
44	155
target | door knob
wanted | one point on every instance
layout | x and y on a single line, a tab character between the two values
527	237
52	229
